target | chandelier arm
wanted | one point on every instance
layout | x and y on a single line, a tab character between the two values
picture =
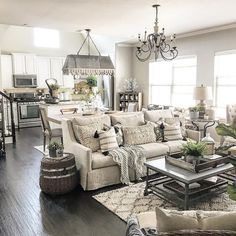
144	58
142	48
174	54
165	47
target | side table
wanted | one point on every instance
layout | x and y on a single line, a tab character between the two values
58	175
207	124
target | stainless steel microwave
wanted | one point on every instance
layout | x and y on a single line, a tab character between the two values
25	81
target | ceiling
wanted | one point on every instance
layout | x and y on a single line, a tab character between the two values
118	18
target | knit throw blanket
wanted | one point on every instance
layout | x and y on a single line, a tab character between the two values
129	156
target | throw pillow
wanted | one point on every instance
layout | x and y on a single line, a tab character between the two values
176	220
107	140
172	132
88	120
118	131
221	221
157	130
177	121
139	134
85	134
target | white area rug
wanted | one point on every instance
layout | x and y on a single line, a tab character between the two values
130	200
40	148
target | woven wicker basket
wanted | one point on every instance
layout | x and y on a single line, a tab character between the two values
58	175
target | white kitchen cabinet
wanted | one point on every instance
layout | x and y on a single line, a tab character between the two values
6	72
49	67
68	81
56	65
30	64
43	70
24	63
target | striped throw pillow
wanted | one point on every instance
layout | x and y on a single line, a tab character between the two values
107	140
172	132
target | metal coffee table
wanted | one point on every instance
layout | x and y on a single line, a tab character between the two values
166	187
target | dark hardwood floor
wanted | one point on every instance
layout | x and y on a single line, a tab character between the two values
25	211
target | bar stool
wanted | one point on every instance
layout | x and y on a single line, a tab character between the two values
47	131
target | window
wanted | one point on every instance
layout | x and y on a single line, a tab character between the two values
47	38
172	82
225	81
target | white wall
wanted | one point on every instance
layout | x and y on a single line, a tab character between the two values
124	68
21	39
203	46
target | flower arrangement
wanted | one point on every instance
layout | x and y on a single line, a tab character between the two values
130	85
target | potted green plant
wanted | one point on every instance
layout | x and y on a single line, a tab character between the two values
194	113
55	89
193	151
91	81
55	148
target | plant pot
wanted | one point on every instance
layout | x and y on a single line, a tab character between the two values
194	115
55	93
52	152
192	159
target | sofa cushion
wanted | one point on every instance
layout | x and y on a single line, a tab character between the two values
176	220
156	115
174	146
139	134
154	149
107	140
128	119
100	161
85	134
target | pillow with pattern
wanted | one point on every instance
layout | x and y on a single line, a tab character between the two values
157	129
172	132
107	140
177	121
118	131
86	135
135	135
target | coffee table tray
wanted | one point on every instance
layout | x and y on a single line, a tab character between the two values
204	163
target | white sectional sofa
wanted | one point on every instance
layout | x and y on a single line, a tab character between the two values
97	170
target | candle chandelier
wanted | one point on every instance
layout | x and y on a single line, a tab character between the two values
156	43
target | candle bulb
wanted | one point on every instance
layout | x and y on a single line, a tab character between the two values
145	36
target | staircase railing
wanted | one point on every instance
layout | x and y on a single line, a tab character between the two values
7	124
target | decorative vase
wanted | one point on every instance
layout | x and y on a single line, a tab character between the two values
194	115
192	159
210	145
52	152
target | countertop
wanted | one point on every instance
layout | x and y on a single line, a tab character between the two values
63	103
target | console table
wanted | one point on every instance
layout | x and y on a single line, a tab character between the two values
206	124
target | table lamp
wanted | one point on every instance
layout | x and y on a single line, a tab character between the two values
203	94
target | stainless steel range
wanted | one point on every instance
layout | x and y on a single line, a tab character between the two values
27	110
